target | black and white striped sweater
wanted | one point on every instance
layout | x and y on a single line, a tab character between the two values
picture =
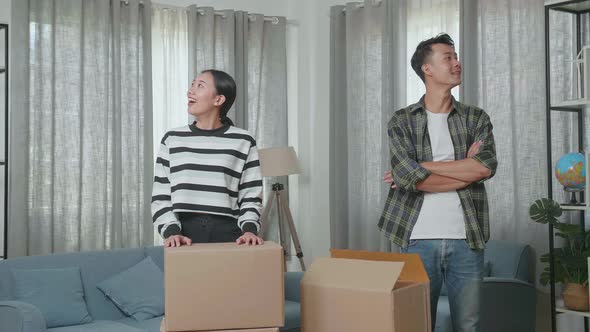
207	171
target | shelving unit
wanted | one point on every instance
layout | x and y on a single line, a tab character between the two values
576	8
4	157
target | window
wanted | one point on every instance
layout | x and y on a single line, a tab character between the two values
425	19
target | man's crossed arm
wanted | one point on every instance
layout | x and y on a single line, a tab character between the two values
450	175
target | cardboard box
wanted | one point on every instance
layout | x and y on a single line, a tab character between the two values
223	286
270	329
342	295
413	267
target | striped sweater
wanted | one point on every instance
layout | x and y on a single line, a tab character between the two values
207	171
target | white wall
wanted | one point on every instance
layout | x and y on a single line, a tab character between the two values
308	44
313	129
5	6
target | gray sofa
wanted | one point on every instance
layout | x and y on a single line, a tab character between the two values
508	294
95	267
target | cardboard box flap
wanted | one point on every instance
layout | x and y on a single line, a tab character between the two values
353	274
413	269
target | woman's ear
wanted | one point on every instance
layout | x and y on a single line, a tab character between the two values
220	99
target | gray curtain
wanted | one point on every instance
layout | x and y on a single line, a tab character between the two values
83	171
370	77
510	85
252	49
359	151
509	89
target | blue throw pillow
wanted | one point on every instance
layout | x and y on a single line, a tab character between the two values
137	291
57	293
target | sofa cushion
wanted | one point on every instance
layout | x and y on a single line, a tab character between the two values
148	325
510	260
157	255
57	293
292	315
137	291
95	266
98	326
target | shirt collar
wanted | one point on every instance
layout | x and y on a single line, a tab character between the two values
457	106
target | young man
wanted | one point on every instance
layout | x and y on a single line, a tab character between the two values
441	153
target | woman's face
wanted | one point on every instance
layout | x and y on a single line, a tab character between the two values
202	96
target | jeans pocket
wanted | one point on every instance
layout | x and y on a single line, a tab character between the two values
411	244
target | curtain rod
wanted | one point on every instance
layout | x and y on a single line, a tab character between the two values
362	5
251	17
273	19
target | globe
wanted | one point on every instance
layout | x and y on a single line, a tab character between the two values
570	171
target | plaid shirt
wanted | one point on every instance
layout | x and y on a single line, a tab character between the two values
409	145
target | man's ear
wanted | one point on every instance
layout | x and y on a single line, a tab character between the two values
219	100
426	69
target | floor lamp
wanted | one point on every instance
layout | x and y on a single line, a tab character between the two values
274	162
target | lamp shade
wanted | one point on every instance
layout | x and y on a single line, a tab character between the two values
278	161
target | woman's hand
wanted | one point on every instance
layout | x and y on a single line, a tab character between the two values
249	238
177	241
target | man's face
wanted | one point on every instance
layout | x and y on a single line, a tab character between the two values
442	67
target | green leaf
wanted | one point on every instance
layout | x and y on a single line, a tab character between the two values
570	261
545	211
569	230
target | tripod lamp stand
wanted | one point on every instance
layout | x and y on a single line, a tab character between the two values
274	162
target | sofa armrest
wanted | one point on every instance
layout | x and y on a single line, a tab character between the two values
507	305
21	317
292	281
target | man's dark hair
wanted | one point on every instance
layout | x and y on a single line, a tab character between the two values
424	49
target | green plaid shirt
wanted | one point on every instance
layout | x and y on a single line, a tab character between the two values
409	145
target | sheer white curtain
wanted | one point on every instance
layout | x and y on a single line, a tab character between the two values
425	19
371	47
169	70
86	98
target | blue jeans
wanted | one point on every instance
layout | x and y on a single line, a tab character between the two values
461	269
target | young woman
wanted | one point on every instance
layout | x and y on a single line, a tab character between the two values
207	184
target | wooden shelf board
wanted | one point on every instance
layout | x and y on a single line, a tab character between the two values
572	207
577	103
563	5
572	312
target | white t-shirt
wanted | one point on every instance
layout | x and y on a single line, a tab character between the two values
441	216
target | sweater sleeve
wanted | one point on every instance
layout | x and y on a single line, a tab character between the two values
165	221
250	193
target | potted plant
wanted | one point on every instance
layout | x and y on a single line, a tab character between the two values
570	261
